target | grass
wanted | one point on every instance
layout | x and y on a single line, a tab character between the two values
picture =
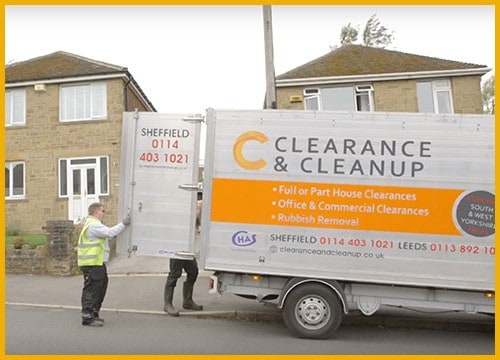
31	239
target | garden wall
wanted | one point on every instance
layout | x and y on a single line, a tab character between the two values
56	257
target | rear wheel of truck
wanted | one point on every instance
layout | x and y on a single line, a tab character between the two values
312	311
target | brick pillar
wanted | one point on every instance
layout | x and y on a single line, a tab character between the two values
61	253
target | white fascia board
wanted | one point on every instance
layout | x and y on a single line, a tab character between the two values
380	77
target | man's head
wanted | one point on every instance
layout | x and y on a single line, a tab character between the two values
97	210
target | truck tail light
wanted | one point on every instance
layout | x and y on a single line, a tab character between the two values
489	294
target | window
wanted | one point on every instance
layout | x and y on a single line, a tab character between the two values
364	98
338	98
434	97
15	107
14	180
83	102
79	176
312	99
347	98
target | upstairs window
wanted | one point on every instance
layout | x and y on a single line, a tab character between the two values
312	99
83	102
15	107
14	180
344	98
434	97
364	97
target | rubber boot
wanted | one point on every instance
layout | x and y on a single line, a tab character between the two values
187	294
168	296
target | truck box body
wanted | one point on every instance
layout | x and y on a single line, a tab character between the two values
393	198
319	212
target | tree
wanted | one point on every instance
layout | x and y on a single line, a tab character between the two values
348	34
488	91
374	34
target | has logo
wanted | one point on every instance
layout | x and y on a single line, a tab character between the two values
243	238
238	150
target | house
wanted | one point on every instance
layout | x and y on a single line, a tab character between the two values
63	119
361	78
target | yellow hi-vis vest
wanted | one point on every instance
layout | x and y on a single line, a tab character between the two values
90	252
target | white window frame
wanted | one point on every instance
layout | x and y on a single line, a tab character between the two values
82	102
69	163
441	86
359	90
311	94
15	100
9	193
362	90
428	91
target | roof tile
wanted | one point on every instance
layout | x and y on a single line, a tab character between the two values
59	64
363	60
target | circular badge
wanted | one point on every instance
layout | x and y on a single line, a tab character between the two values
475	213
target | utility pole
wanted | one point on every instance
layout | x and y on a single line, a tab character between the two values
268	42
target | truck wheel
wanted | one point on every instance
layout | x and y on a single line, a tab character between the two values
312	311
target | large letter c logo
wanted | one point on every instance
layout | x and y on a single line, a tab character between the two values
238	150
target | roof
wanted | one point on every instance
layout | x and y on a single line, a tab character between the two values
61	65
57	65
349	60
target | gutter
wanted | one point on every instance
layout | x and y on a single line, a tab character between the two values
379	77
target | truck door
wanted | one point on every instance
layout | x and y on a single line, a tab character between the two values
158	183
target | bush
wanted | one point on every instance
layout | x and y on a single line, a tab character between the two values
13	232
33	240
18	242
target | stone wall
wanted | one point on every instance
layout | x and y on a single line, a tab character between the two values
25	260
44	140
398	95
56	257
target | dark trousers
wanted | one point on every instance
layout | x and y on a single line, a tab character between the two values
176	267
95	284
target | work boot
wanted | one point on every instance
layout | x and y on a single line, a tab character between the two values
187	293
93	323
89	320
168	296
97	317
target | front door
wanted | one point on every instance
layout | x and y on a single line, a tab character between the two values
81	190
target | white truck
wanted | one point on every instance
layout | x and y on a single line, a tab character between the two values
320	212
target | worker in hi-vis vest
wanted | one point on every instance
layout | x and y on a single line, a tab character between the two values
93	253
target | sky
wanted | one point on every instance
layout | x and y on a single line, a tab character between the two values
190	58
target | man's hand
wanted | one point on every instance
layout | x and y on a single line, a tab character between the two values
126	221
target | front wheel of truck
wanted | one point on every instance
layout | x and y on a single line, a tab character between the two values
312	311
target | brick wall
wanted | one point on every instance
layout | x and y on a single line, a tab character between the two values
467	97
44	140
396	96
283	98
